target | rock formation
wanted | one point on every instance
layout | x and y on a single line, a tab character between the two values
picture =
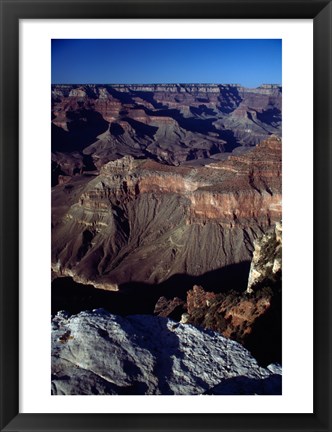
169	308
141	221
266	261
252	318
97	353
93	124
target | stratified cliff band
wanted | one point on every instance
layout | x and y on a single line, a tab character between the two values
142	221
169	123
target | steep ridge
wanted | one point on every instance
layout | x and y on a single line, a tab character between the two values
141	221
171	124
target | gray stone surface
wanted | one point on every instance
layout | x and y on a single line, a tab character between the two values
100	353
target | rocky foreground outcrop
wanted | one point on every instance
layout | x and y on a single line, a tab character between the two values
253	317
141	221
97	353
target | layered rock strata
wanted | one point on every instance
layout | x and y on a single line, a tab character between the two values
172	124
140	221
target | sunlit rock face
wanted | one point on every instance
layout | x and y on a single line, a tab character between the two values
267	256
141	221
97	353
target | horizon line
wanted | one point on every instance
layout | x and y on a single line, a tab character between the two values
167	83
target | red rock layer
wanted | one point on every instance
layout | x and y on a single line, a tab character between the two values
143	221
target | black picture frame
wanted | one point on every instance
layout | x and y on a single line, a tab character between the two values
11	12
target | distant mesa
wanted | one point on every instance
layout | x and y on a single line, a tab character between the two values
170	123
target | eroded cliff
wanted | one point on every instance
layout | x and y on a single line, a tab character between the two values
141	221
172	124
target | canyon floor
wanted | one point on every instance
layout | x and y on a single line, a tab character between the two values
166	213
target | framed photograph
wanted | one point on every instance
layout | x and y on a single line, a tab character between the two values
188	195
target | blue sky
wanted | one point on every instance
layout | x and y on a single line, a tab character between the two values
249	62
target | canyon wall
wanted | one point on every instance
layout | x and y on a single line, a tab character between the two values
172	124
141	221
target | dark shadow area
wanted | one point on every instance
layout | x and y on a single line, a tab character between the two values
56	169
265	340
140	298
164	345
228	103
197	154
231	141
55	172
234	276
242	385
83	128
60	139
164	353
151	156
116	129
203	100
149	97
271	116
90	91
123	97
87	237
136	388
250	117
88	163
74	297
141	129
202	110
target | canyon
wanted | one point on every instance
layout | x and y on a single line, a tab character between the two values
141	221
167	204
172	124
